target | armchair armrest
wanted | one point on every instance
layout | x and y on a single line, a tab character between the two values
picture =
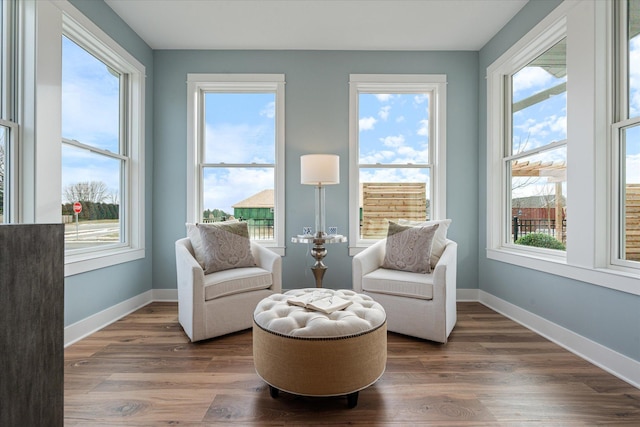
190	281
270	261
366	261
444	284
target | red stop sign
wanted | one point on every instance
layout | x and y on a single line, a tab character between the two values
77	207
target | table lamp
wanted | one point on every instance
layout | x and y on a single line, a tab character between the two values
320	170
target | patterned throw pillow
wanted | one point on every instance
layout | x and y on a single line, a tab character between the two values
225	245
409	248
440	239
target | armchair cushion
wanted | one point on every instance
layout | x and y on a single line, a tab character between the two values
408	248
235	281
439	240
222	245
400	283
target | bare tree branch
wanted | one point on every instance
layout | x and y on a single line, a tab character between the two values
94	191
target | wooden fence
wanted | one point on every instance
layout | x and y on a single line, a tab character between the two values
632	222
382	202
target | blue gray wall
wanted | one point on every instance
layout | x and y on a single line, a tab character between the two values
89	293
606	316
316	120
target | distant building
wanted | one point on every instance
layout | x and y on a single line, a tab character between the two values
259	206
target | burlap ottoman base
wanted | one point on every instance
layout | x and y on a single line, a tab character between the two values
320	367
310	353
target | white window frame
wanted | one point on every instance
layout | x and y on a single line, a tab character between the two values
8	106
620	121
588	32
197	86
436	86
499	92
42	192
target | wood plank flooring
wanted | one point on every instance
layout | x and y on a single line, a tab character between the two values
143	371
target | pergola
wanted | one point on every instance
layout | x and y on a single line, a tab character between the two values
555	172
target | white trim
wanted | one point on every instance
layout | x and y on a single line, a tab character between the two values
615	363
165	295
608	278
87	326
467	295
82	263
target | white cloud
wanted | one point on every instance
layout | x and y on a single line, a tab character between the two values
536	132
400	119
269	110
382	156
423	130
367	123
383	97
384	112
531	77
239	144
223	188
411	155
393	141
394	175
633	169
634	76
421	98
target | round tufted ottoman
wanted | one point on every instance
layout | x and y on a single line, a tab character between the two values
310	353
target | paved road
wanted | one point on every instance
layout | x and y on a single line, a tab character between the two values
91	233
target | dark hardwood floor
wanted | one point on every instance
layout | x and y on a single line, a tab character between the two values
143	371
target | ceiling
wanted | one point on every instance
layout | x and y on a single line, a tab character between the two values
317	24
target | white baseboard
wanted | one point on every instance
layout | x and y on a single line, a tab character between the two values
466	295
611	361
165	295
615	363
85	327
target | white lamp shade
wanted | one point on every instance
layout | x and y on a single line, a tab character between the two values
320	169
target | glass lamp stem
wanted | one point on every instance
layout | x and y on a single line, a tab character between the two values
320	218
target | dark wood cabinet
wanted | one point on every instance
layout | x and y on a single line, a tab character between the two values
31	325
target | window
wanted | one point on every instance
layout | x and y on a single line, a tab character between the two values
236	160
536	152
397	152
528	147
102	98
8	113
626	138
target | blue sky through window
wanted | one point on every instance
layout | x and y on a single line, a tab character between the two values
633	139
394	130
90	115
240	130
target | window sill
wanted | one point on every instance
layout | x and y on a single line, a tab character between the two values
605	277
81	263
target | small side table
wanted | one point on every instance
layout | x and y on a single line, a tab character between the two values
318	251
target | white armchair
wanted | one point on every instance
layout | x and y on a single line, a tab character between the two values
223	302
417	304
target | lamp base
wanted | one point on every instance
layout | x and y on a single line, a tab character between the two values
318	251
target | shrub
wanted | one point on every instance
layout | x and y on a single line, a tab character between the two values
541	240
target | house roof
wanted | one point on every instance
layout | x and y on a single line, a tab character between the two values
263	199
